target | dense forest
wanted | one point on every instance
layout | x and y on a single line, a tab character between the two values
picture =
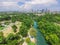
48	25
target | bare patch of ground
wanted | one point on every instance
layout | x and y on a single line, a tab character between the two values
6	31
57	24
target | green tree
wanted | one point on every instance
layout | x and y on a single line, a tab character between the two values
2	39
14	28
23	30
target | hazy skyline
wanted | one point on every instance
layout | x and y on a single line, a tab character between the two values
27	5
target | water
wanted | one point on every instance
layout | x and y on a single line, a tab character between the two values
39	37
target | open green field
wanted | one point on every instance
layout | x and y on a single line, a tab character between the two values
1	28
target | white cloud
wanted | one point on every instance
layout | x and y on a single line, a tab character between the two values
34	3
13	4
9	6
42	2
8	3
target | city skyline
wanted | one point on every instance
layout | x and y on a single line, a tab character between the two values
28	5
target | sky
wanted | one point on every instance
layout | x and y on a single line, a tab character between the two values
28	5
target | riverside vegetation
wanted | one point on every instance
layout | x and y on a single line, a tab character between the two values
22	23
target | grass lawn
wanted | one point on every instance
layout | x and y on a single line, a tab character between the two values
1	28
57	24
31	43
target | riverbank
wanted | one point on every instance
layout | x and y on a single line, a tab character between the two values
40	39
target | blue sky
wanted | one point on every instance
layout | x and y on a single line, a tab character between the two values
28	5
